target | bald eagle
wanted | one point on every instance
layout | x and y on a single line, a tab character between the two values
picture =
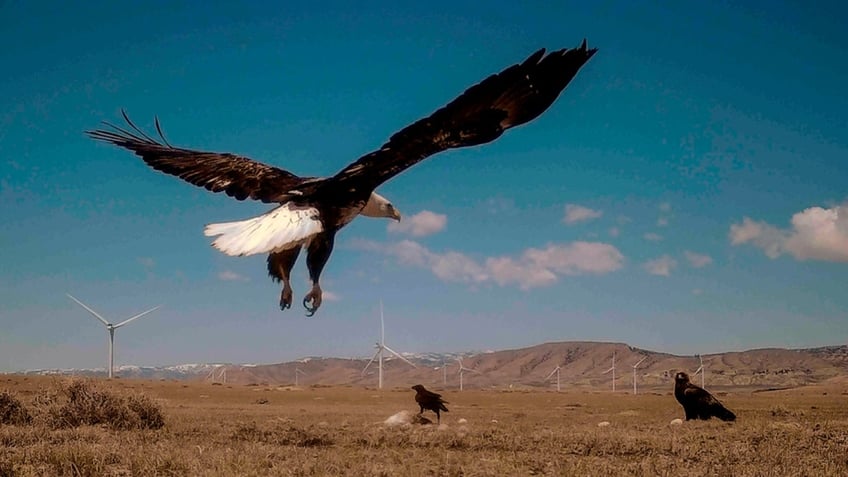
697	402
312	210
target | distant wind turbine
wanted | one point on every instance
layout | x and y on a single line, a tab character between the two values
613	371
297	371
556	370
462	370
634	372
700	370
381	346
444	368
111	328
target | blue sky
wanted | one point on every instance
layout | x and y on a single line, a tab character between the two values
687	193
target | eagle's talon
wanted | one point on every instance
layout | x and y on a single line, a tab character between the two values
286	299
310	310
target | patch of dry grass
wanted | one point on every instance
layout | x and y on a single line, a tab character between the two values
222	431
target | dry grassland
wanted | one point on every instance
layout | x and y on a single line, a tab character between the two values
221	430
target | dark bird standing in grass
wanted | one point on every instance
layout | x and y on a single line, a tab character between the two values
697	402
311	210
428	400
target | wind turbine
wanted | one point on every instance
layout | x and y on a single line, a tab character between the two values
462	370
296	372
634	372
444	368
381	346
700	370
613	371
556	370
111	328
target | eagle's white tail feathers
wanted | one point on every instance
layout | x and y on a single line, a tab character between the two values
283	228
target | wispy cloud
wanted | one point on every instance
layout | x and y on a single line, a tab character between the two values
577	213
532	268
660	266
665	213
330	296
697	260
653	237
614	231
816	234
421	224
147	262
231	276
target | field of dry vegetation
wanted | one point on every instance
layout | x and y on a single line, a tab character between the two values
223	430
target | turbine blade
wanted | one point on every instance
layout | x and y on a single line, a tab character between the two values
605	372
698	371
96	315
552	373
399	356
137	316
369	362
640	361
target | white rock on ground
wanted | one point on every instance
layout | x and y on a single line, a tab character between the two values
402	418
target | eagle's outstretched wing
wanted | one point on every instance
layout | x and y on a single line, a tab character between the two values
481	114
237	176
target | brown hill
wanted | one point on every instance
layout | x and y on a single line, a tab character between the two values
582	365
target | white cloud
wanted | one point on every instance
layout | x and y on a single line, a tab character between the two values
697	260
614	232
665	208
652	237
816	234
533	268
231	276
329	296
421	224
147	262
660	266
577	213
697	291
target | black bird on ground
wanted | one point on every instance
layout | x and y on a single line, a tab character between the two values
697	402
428	400
311	210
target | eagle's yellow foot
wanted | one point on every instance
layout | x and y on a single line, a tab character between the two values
286	298
313	296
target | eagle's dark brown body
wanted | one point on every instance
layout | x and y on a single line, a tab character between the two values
429	401
697	402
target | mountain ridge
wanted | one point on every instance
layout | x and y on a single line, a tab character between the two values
582	365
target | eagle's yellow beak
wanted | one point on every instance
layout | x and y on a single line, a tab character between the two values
396	214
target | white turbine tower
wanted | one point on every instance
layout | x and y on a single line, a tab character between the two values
634	372
613	371
700	370
556	370
381	346
462	370
444	368
297	371
111	328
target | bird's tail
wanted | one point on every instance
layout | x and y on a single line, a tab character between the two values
283	228
442	407
723	413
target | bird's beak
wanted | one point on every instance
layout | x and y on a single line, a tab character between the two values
396	214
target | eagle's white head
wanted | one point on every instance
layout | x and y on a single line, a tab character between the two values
379	206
